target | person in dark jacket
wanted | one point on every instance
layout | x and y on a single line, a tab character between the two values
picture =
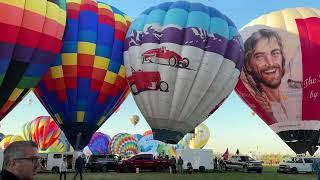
79	166
20	161
173	163
180	164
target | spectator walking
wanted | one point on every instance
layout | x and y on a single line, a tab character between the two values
63	169
79	166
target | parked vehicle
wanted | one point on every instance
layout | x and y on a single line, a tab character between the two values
103	163
200	159
243	163
299	164
143	162
52	161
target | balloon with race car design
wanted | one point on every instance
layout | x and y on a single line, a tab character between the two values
182	60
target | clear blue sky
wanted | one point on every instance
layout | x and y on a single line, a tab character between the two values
232	125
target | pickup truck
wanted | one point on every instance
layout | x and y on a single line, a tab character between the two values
143	162
102	163
243	163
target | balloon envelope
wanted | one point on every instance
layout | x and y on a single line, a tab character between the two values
45	132
1	136
124	144
26	131
30	39
200	137
282	91
87	82
134	119
99	143
7	140
183	59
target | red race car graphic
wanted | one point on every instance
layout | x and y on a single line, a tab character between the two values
173	58
144	81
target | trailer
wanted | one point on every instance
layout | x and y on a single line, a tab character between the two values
51	161
201	159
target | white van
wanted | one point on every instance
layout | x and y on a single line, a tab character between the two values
52	161
299	164
199	158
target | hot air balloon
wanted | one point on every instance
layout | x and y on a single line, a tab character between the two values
26	131
148	145
200	137
182	60
99	143
59	146
7	140
279	79
1	136
45	132
87	81
148	133
30	38
123	144
134	119
86	151
138	136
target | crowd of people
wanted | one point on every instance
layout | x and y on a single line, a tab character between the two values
21	160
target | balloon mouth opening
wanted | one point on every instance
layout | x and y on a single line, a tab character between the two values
167	136
301	141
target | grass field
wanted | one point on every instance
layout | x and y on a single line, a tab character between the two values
269	173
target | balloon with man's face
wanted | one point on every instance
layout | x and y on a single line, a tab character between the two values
280	78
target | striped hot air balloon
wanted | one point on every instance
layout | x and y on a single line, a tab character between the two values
31	34
45	132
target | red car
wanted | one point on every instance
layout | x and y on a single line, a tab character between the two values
143	162
174	59
143	81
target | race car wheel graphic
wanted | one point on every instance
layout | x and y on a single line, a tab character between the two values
185	62
164	86
172	61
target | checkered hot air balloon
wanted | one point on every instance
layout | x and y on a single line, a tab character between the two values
31	34
87	81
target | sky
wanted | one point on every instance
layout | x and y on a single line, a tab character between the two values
232	126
